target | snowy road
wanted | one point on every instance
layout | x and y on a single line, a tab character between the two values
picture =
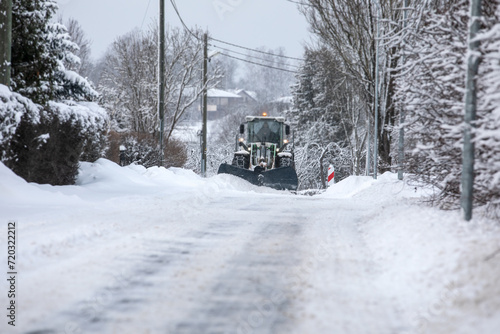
237	264
173	253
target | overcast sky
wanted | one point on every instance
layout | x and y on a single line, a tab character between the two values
251	23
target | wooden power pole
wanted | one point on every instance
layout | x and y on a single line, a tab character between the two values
5	41
161	77
204	126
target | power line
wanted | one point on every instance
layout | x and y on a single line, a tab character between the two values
249	56
145	14
174	5
254	50
259	64
227	43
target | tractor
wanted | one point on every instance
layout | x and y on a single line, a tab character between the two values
264	155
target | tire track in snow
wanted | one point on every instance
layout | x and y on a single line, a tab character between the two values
251	295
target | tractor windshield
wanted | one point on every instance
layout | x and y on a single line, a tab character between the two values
264	130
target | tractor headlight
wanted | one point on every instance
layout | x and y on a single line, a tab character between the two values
241	140
285	141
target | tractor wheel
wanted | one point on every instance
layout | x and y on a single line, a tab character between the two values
241	161
285	162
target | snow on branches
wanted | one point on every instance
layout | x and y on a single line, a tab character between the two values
430	90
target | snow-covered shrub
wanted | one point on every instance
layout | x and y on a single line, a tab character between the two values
312	162
142	148
49	150
91	119
13	107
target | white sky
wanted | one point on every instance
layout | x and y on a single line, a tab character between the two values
251	23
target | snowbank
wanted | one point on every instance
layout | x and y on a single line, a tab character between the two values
450	267
368	188
349	186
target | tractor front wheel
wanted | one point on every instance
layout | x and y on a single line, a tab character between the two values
241	161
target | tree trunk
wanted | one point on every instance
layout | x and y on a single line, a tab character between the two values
5	41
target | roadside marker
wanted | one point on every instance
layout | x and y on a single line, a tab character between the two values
331	175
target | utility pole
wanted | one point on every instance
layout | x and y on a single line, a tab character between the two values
161	77
401	144
470	110
375	136
368	145
5	41
204	126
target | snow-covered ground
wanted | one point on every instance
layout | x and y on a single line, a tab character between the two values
135	250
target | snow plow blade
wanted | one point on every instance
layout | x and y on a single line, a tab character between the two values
284	178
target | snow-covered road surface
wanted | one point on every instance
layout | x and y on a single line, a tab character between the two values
131	250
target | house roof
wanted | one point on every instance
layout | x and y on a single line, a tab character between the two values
241	92
221	93
284	99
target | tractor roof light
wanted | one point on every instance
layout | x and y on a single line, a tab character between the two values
264	114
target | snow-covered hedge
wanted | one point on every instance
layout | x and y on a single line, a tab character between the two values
45	144
12	108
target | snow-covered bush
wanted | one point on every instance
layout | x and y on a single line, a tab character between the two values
13	107
142	148
48	149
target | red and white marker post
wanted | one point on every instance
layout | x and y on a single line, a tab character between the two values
331	175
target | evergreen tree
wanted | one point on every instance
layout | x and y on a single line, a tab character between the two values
40	48
48	138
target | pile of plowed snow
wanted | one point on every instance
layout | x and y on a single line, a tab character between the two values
366	187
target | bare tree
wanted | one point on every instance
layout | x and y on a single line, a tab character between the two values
349	28
129	82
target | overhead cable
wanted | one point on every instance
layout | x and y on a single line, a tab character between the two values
259	64
253	57
182	21
174	5
145	14
254	50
